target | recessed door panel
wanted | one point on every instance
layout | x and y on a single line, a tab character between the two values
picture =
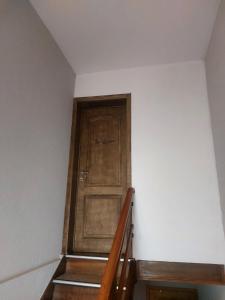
103	145
101	216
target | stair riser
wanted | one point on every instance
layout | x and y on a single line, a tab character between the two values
68	292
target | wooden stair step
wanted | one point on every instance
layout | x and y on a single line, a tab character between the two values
83	270
68	292
80	280
78	277
82	277
90	256
76	283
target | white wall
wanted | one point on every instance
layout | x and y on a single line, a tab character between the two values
215	71
177	211
29	286
36	92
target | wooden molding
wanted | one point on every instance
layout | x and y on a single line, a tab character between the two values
69	190
180	272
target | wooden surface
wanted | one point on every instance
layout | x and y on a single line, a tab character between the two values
79	270
66	292
125	266
131	280
91	229
180	272
68	230
101	181
83	270
48	293
110	272
164	293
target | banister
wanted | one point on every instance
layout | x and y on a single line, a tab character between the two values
114	257
124	268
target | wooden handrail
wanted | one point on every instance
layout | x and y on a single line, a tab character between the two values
114	257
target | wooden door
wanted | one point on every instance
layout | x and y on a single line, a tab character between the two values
102	177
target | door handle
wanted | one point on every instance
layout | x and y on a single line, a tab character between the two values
83	175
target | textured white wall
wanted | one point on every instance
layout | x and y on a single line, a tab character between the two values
28	286
36	92
215	71
177	210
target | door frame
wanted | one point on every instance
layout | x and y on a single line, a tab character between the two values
78	103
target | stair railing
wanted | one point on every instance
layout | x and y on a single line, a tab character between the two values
114	285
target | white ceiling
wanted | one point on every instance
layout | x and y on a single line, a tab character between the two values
97	35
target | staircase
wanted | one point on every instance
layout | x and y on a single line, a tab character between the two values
77	277
100	277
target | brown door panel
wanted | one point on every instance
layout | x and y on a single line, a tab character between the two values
102	177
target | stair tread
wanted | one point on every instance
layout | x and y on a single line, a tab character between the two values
89	254
101	258
81	277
